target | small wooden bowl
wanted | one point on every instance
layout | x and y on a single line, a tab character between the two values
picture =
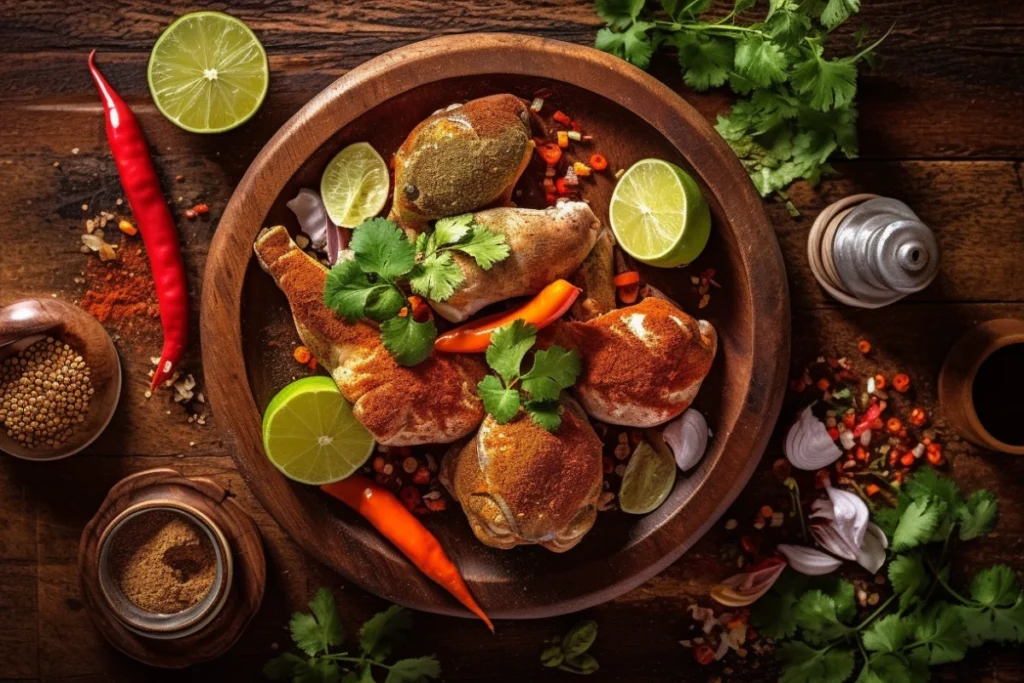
27	321
956	379
178	624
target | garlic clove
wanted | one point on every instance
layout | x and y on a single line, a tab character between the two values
808	445
871	554
741	590
687	436
809	561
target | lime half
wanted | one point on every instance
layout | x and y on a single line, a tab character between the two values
208	72
310	434
355	185
648	480
659	215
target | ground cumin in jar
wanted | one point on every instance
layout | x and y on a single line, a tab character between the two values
163	561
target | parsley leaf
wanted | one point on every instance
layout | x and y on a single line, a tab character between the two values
908	577
508	347
437	277
977	516
805	664
381	247
889	633
917	524
553	370
618	13
501	403
383	630
941	632
413	670
408	341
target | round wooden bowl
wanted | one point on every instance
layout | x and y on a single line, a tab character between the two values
248	334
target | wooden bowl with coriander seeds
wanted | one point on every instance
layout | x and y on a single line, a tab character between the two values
60	379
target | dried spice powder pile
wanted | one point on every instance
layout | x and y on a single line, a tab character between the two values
44	393
163	562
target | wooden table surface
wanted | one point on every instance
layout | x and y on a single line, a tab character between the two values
941	128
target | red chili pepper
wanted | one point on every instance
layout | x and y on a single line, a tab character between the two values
390	517
562	118
142	189
870	416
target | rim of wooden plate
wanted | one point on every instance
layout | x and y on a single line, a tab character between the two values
747	427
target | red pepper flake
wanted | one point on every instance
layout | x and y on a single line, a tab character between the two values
934	454
823	384
850	419
834	433
201	209
562	118
879	381
918	417
908	459
871	489
901	382
893	425
870	416
864	346
421	476
703	654
861	454
436	504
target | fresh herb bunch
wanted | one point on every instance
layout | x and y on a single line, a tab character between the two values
367	287
925	622
569	653
553	370
319	632
795	106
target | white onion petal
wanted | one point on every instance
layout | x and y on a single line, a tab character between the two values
808	445
687	436
809	561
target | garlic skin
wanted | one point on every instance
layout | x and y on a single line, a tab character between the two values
808	445
809	561
687	436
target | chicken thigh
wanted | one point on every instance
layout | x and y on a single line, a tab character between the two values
433	402
545	245
519	484
642	365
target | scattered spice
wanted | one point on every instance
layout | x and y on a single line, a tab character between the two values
163	561
44	393
121	292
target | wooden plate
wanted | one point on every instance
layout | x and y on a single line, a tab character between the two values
248	333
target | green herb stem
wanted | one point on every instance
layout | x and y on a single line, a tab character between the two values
949	589
874	615
356	660
870	48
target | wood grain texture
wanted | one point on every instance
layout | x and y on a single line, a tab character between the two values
952	88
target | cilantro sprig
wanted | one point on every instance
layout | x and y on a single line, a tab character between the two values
369	285
795	105
537	390
318	634
925	621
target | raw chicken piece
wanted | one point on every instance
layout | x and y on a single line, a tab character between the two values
595	277
461	159
545	245
519	484
433	402
642	365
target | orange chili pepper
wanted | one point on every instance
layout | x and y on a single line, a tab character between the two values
864	346
879	381
901	382
894	425
389	516
598	162
871	489
545	308
301	355
918	417
629	294
550	153
934	453
907	460
630	277
562	118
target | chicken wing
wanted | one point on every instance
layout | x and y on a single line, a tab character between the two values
519	484
595	277
545	245
460	159
433	402
642	365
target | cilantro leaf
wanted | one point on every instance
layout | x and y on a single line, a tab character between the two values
977	516
760	61
509	345
774	615
501	403
917	524
383	631
843	595
408	341
941	631
553	370
927	483
908	577
484	246
317	632
816	615
681	10
888	518
547	414
889	633
618	13
788	27
885	668
706	61
998	624
827	83
996	586
452	230
413	670
436	277
381	247
838	11
805	664
283	666
384	302
633	44
743	5
347	289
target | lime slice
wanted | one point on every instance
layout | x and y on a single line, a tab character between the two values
659	215
310	434
208	72
355	185
648	480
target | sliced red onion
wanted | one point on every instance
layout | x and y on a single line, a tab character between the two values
871	554
687	436
808	445
809	561
745	589
850	515
311	213
831	540
333	243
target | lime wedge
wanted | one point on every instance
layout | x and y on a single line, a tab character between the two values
310	434
648	480
659	215
208	72
355	185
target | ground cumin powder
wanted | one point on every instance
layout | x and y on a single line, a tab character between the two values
163	562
